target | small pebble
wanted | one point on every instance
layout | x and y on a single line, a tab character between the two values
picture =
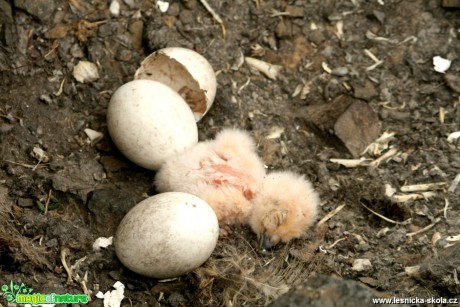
361	265
186	17
46	98
114	8
316	37
25	202
340	71
189	4
366	91
115	275
453	81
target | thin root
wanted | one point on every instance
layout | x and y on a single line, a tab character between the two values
411	234
330	215
335	243
445	208
61	88
215	16
66	267
32	166
83	282
390	153
48	199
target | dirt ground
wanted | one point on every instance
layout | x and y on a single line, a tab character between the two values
334	53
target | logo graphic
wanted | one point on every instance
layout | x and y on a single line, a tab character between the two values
10	292
21	294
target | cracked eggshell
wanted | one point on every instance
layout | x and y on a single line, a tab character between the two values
185	71
149	122
167	235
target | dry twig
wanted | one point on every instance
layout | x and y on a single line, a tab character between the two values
445	207
377	62
64	264
390	153
48	199
411	234
32	166
330	215
424	187
83	285
335	243
61	88
215	16
454	184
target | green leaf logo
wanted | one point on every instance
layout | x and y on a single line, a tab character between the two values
10	291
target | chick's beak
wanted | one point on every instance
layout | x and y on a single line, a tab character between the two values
265	242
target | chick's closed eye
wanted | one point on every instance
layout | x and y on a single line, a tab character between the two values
284	209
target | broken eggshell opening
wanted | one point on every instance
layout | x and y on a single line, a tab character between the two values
186	72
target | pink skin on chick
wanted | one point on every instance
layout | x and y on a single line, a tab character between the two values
226	172
284	208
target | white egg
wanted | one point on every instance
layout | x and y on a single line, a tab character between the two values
149	122
167	235
185	71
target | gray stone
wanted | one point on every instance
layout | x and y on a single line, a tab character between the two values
316	37
366	91
326	290
40	9
6	14
357	127
186	17
25	202
189	4
397	238
7	33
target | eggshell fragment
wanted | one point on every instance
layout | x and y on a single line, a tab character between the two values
185	71
93	136
149	122
167	235
85	72
440	64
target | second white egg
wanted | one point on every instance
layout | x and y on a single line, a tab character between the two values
149	122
